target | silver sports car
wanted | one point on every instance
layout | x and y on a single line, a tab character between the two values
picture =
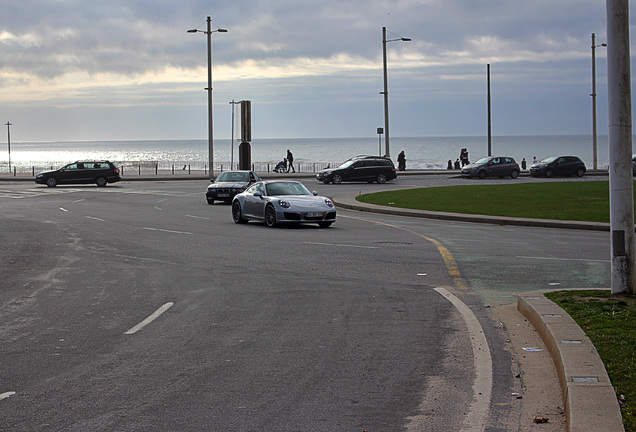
276	202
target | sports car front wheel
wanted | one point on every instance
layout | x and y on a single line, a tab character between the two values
237	213
270	216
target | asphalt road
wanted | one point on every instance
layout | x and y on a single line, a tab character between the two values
287	329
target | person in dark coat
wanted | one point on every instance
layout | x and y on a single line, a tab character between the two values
290	161
401	161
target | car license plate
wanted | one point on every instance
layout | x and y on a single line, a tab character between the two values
223	195
313	215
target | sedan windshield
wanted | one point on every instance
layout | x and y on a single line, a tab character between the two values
549	159
483	160
286	188
233	177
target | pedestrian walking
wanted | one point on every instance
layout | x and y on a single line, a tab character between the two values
401	161
290	161
463	155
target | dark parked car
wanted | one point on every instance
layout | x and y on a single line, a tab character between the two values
492	166
228	184
99	172
360	168
558	165
634	164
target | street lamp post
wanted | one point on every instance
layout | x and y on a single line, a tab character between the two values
386	90
209	89
9	143
594	143
232	157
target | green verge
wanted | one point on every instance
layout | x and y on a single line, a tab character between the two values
610	323
578	201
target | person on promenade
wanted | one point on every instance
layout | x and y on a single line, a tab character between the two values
523	164
534	160
401	161
450	165
463	155
457	164
290	161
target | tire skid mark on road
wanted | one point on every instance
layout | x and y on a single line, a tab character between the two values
153	316
341	245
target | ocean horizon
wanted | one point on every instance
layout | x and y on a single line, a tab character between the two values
421	152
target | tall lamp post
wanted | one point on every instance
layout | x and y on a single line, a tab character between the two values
232	157
9	143
209	89
386	89
594	144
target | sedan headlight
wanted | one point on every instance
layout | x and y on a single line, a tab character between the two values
327	173
329	202
284	204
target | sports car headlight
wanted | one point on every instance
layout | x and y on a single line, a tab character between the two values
329	202
284	204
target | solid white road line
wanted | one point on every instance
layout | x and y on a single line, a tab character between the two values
477	415
153	316
96	218
167	231
6	395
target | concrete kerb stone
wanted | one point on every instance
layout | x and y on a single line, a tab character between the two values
590	399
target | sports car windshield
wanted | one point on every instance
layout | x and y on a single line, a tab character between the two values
233	177
286	188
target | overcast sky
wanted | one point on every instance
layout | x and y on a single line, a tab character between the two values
126	69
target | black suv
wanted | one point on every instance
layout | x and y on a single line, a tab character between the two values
99	172
360	168
558	165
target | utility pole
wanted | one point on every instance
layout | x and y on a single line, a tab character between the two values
489	117
9	143
232	157
620	147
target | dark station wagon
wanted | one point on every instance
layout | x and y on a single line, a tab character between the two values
81	172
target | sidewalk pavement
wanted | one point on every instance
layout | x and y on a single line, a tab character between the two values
589	398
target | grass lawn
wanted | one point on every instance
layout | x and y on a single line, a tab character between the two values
610	322
579	201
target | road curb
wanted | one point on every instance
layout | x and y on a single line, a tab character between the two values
590	399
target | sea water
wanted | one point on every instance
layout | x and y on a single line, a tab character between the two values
421	152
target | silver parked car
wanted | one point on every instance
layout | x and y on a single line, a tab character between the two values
281	201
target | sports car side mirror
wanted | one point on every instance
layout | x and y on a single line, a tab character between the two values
314	193
258	194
